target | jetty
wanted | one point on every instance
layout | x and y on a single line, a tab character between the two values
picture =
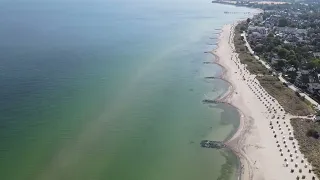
208	101
233	12
210	77
212	144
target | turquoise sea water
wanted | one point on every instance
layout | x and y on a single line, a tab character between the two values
111	90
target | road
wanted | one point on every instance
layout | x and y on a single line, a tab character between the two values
252	52
291	86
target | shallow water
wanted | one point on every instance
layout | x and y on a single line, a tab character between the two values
111	90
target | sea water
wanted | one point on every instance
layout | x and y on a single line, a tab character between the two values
112	90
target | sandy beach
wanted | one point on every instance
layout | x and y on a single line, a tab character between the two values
263	141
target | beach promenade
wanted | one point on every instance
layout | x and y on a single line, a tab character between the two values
264	141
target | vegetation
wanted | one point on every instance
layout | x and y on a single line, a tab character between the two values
287	50
283	22
306	132
285	96
289	100
313	133
253	65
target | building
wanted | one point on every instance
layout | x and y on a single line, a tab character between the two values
313	87
261	30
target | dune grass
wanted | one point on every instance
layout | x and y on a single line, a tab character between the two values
309	146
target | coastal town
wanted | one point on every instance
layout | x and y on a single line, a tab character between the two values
288	40
285	38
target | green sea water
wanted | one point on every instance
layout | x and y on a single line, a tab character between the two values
112	90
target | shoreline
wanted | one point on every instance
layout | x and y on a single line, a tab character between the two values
225	97
253	142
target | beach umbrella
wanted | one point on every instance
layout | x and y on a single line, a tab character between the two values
302	160
306	165
295	165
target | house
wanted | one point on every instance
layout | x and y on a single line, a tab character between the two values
287	30
255	35
261	30
313	87
301	32
275	60
316	54
317	118
290	69
302	78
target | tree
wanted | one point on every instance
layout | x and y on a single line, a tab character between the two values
312	133
270	47
283	53
292	76
283	22
280	64
248	20
270	35
293	62
259	48
314	64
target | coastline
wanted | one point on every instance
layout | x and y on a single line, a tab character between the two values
224	98
253	142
